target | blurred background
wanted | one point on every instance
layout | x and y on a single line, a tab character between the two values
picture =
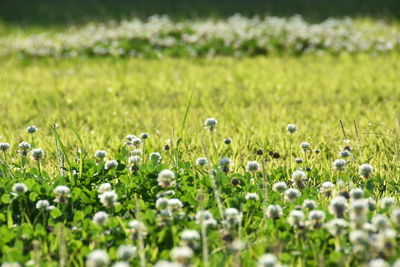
58	13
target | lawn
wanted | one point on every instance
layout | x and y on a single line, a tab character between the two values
96	102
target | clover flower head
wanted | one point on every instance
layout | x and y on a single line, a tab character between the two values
126	252
155	156
166	178
252	166
97	258
109	199
252	197
100	217
268	260
42	204
104	187
274	211
291	194
291	128
19	188
339	164
37	154
201	161
366	170
31	129
111	164
279	186
210	124
100	154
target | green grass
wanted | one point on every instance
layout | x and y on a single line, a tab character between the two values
100	101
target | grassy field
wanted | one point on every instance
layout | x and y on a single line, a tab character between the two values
97	102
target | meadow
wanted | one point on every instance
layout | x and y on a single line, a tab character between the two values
280	155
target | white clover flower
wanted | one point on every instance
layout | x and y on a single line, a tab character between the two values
37	154
296	218
210	124
268	260
61	190
62	194
104	187
232	216
317	215
252	197
19	188
111	164
42	204
378	263
136	152
358	237
225	162
371	204
337	227
396	216
356	193
327	188
168	264
121	264
126	252
338	206
109	199
279	187
274	211
155	156
31	129
182	254
24	148
161	203
387	202
359	208
344	153
365	170
134	160
381	222
100	154
174	204
205	217
339	164
24	145
134	141
10	264
292	194
201	161
97	258
190	238
291	128
309	204
305	145
166	178
100	217
137	227
252	166
298	179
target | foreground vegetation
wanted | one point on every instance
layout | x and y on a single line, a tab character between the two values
333	176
